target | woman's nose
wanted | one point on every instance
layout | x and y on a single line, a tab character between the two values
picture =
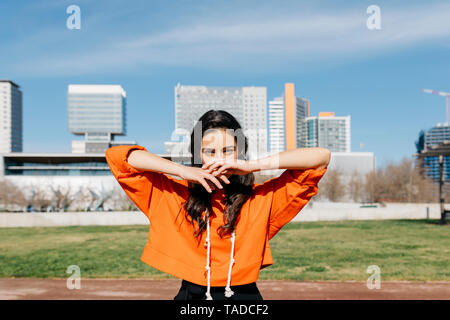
219	156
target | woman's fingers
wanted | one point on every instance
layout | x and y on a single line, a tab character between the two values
214	168
224	178
210	182
207	165
215	165
214	179
224	167
205	185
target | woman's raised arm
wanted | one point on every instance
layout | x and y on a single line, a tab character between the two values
146	161
299	158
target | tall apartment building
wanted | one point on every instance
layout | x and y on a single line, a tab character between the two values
97	112
287	121
11	119
247	104
433	137
328	131
437	134
276	125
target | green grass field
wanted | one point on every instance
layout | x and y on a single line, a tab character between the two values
413	250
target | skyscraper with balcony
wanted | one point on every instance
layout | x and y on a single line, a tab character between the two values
247	104
437	134
97	112
433	137
11	119
276	125
328	131
287	121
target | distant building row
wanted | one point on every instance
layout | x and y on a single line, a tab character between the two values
284	125
98	112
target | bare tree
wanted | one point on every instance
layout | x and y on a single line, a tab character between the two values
82	199
402	182
373	187
10	196
331	185
355	186
397	181
122	202
62	197
37	198
424	189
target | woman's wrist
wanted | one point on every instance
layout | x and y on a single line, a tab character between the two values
266	163
179	169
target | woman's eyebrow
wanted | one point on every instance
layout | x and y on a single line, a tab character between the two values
212	149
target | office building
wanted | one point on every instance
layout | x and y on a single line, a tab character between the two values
287	121
97	112
328	131
433	137
247	104
11	119
277	125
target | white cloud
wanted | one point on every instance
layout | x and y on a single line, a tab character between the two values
253	40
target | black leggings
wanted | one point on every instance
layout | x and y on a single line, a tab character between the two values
192	291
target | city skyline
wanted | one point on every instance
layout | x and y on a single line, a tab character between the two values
334	61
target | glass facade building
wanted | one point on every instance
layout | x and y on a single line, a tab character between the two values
283	111
97	110
276	125
11	117
300	124
328	132
54	165
436	135
247	104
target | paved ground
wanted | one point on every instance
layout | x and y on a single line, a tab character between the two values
98	289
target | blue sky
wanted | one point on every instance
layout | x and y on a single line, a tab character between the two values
323	47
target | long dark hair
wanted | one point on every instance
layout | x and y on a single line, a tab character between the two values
236	192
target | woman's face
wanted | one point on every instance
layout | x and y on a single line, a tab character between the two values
218	144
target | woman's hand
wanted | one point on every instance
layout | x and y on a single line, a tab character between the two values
229	167
209	181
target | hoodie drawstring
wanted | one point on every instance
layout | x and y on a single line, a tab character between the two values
208	294
228	291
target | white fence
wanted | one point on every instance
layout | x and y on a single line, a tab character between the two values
330	211
316	211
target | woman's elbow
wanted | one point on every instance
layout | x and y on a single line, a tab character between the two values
326	158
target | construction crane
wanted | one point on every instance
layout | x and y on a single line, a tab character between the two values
440	93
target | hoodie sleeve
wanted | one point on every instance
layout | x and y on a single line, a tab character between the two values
138	185
291	192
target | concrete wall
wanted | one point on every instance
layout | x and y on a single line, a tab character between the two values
55	219
329	211
348	162
317	211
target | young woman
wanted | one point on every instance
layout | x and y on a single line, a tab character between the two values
220	243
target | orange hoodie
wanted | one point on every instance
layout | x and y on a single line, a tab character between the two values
171	246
